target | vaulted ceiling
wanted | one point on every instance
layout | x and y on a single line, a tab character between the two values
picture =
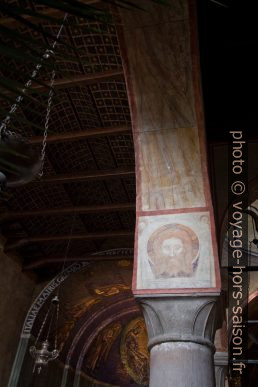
87	193
88	186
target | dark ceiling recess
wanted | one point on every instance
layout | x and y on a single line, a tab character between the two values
89	169
229	62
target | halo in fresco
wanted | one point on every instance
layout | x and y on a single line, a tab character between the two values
173	251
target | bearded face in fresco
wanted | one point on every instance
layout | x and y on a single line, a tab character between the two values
173	251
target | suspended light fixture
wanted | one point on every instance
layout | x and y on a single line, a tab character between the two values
19	161
43	353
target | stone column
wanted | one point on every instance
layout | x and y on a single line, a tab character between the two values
181	332
221	363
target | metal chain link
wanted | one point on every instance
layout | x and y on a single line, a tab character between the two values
57	315
14	107
42	327
44	142
19	99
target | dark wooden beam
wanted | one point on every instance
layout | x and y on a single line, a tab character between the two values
71	136
85	176
53	12
90	258
10	216
82	80
12	244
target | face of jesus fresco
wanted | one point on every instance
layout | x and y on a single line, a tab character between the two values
172	250
172	257
172	247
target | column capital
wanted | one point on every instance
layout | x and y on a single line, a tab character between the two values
181	319
221	364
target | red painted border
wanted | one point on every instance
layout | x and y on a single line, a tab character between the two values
173	211
133	111
134	279
201	129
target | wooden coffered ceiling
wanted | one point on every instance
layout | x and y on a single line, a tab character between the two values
88	187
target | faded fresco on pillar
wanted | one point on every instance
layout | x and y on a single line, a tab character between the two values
166	142
175	251
161	72
170	170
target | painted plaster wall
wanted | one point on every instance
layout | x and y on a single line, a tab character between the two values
16	291
160	57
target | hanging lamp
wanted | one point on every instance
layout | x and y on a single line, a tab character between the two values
43	354
19	161
41	351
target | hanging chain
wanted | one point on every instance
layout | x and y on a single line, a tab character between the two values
14	107
42	327
66	252
61	274
49	103
44	142
57	315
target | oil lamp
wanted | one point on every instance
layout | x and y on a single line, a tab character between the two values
42	352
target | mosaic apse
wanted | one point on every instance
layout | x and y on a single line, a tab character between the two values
101	331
